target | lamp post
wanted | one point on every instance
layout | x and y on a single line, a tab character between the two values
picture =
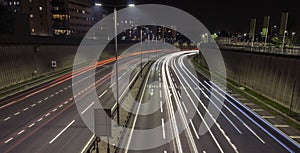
292	41
283	41
116	51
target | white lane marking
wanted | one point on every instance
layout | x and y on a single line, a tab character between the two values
17	113
60	90
61	132
161	107
175	85
87	108
6	118
70	99
258	110
60	106
268	117
260	139
102	93
40	101
160	94
193	127
40	119
65	88
173	79
21	132
51	95
46	98
8	140
159	79
33	105
281	126
185	107
160	85
69	86
25	109
31	125
295	137
112	85
66	102
54	110
47	114
163	128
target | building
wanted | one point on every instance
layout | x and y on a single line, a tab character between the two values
62	18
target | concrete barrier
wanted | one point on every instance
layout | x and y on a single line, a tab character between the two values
274	76
24	62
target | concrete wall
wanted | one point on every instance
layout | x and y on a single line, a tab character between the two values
19	62
274	76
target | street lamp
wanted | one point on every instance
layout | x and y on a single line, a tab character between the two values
283	41
293	33
116	50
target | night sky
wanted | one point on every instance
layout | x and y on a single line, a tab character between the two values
233	15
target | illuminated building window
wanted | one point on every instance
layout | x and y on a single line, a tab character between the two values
40	8
31	15
32	30
83	11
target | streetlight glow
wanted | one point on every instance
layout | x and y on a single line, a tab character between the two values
98	4
131	5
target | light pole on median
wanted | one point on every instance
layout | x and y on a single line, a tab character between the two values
116	51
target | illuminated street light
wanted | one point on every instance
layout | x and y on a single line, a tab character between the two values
116	51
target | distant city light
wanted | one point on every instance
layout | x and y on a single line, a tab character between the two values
98	4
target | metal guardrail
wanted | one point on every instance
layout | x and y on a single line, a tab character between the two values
260	49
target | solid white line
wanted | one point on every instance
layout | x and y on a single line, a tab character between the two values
161	108
7	118
33	105
185	107
102	93
31	125
260	139
87	144
87	108
8	140
25	109
163	128
61	132
21	132
17	113
197	136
